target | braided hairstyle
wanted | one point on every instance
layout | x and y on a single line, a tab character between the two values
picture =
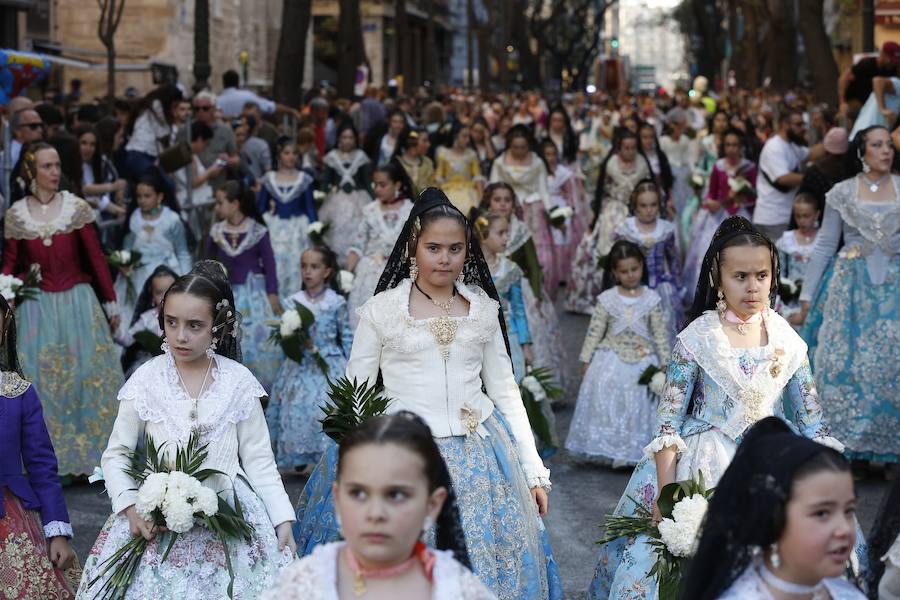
409	431
209	280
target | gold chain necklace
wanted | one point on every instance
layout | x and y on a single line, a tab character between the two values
444	306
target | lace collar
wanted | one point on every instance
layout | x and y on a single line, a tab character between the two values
523	175
74	213
743	167
253	233
159	397
629	229
327	301
346	170
372	211
877	222
138	222
13	385
629	315
285	193
705	339
508	273
518	235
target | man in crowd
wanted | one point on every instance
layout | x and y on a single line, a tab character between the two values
222	147
233	99
855	84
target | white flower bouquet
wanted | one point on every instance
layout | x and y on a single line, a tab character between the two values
345	280
539	386
126	261
319	196
697	181
740	185
174	497
559	216
17	290
654	378
292	333
316	231
683	506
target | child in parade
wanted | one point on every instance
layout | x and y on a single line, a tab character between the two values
458	171
412	155
286	203
392	489
566	191
34	522
377	232
156	231
241	242
781	523
299	390
347	178
435	323
543	323
197	387
656	237
735	363
628	333
795	248
145	318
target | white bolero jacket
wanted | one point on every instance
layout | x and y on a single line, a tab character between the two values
449	395
231	418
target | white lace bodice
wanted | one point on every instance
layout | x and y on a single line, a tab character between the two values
314	577
154	402
750	586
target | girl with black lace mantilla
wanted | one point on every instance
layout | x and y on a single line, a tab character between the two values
435	334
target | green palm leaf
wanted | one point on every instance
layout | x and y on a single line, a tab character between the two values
351	403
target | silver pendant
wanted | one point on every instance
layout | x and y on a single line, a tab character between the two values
873	188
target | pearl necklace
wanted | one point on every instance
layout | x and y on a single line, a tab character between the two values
774	581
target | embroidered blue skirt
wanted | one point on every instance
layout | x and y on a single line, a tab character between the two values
261	357
507	543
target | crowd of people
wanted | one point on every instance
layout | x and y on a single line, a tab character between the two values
738	255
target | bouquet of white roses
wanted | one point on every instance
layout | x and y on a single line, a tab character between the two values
345	280
126	261
174	497
559	216
316	232
654	378
697	181
293	335
683	506
740	185
19	290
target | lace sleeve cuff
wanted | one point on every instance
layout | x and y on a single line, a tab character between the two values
665	441
827	440
57	528
540	481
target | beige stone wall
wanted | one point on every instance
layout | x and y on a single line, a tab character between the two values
162	30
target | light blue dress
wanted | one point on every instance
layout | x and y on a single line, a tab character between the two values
870	114
713	394
858	355
508	280
300	389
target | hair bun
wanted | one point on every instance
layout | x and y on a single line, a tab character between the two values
734	224
212	269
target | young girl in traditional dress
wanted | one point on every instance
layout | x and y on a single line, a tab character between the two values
720	203
300	389
565	192
526	173
286	203
735	363
619	174
435	325
145	318
157	232
66	350
628	333
34	522
795	248
789	538
391	458
500	199
412	155
656	238
458	171
197	386
241	242
377	233
346	178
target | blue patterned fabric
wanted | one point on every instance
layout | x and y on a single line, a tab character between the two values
252	302
857	359
813	324
300	389
509	552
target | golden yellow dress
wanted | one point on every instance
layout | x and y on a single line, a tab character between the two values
458	176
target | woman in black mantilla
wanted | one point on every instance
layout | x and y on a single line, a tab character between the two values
435	335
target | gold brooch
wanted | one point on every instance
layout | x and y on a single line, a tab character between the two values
471	417
443	329
775	368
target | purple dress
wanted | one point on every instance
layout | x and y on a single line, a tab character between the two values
248	257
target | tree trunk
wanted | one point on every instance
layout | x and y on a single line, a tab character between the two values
818	51
432	62
291	56
111	73
402	45
484	60
202	68
782	47
350	46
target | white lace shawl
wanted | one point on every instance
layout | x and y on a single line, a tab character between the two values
876	226
314	577
254	232
629	230
286	193
329	300
627	315
348	172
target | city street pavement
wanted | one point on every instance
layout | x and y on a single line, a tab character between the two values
581	494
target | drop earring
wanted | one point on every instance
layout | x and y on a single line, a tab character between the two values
427	524
774	557
164	346
211	349
720	304
413	268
